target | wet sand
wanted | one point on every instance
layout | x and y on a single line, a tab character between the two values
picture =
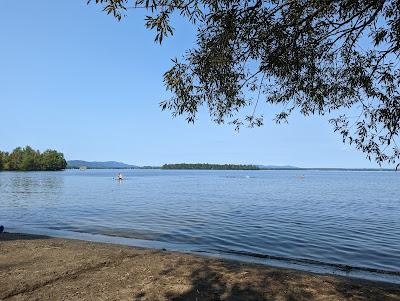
43	268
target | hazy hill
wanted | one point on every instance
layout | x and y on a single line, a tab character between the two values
98	165
278	167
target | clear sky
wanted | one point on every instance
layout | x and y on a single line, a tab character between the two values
74	79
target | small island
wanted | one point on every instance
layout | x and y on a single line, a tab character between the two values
28	159
207	166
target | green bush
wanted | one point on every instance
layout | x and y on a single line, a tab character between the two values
27	159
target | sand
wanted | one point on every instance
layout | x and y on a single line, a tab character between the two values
44	268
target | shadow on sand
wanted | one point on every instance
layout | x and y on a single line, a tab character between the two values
208	283
158	275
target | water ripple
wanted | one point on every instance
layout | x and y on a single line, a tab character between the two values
347	220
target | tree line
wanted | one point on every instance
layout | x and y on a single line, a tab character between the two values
28	159
210	166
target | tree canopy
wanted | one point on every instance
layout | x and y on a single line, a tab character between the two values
27	159
335	58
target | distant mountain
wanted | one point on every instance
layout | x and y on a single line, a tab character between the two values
277	167
98	165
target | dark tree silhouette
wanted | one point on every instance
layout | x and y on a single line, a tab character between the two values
311	56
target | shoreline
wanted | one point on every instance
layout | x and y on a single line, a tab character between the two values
298	264
35	267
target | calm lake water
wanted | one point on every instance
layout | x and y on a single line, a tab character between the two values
329	221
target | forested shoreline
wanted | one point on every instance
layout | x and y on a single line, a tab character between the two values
28	159
210	166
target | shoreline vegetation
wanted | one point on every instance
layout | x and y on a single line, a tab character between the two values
79	164
43	268
28	159
207	166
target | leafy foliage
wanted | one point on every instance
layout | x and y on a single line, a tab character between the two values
311	56
27	159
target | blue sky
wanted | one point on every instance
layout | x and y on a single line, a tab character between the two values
74	79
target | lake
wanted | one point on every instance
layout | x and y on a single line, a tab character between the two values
338	222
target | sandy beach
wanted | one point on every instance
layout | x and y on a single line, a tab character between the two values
43	268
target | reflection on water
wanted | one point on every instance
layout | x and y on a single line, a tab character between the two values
22	189
322	218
